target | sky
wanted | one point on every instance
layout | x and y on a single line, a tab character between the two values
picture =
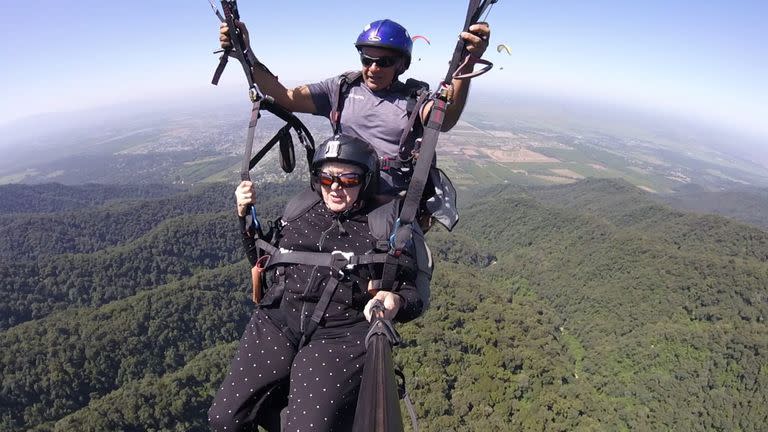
703	59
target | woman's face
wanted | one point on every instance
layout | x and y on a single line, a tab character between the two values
336	197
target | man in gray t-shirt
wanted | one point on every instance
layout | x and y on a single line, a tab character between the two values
375	103
376	117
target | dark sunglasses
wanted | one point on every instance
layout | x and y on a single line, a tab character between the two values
382	62
345	180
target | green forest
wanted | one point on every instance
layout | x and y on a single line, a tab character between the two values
584	307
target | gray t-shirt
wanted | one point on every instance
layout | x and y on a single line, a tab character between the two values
376	117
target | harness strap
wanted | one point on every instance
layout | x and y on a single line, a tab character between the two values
251	222
220	68
388	274
403	394
420	175
432	131
475	10
414	109
266	246
320	308
335	116
251	247
283	136
268	146
334	260
337	104
338	260
386	163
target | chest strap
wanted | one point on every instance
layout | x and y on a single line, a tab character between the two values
337	260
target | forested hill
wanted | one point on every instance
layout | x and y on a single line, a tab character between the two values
746	204
581	307
54	197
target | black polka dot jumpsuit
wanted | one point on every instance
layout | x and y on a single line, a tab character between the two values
322	377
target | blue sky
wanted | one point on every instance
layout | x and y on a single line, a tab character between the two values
701	58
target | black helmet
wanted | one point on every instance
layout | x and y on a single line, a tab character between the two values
351	150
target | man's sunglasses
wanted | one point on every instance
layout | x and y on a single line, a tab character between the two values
345	180
382	62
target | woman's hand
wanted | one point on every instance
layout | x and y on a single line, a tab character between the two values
390	300
245	194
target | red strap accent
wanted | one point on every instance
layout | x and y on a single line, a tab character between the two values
335	119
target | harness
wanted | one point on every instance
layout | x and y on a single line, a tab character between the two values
416	93
263	250
399	242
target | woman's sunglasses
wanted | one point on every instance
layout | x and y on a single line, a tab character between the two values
345	180
382	62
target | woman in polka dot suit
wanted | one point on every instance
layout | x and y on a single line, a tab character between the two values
319	372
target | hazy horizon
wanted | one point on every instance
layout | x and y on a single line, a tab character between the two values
697	60
580	113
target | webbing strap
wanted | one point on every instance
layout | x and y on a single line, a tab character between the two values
337	100
474	11
246	167
388	275
268	248
335	116
335	260
251	249
420	174
403	394
308	258
220	68
427	153
320	308
414	114
251	223
268	146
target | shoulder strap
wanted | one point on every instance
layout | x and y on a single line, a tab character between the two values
420	175
300	204
418	93
414	88
381	220
337	99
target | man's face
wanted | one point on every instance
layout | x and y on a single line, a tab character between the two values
379	76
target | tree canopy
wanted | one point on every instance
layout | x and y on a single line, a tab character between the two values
587	306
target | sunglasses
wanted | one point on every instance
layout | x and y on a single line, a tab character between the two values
345	180
382	62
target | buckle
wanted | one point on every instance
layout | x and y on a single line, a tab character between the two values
393	234
342	261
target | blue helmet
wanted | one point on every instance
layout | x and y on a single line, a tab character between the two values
387	34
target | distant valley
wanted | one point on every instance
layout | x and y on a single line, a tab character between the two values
494	143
